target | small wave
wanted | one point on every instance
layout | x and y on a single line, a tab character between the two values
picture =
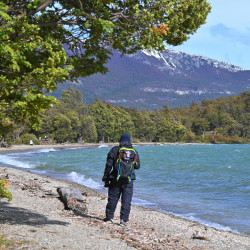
207	223
103	146
141	202
45	150
8	160
79	178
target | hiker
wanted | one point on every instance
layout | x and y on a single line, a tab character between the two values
119	177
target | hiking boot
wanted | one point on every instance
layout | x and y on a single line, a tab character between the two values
108	220
123	223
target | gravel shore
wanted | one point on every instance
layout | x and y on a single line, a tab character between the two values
36	219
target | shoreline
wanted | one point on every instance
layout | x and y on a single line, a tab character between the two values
101	191
27	148
35	195
38	214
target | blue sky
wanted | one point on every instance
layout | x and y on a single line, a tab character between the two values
225	36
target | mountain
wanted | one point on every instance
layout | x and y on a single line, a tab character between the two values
150	79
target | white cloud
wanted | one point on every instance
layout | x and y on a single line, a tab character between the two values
234	14
231	33
225	36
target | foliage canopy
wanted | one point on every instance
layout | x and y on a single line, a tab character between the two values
45	42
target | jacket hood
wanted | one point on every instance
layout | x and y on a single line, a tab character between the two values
125	137
125	144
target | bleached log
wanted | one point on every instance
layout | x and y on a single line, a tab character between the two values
73	199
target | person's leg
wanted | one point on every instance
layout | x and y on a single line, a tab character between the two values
127	193
114	193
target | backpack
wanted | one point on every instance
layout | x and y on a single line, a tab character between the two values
125	163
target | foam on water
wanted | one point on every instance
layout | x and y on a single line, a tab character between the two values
103	146
46	150
39	151
8	160
80	179
192	217
141	202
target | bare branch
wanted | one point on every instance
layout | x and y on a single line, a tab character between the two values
59	23
41	7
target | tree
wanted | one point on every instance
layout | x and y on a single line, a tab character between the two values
179	132
88	129
63	129
35	35
78	126
122	123
200	125
144	126
72	102
104	120
73	99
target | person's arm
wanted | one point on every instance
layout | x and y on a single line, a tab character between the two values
109	166
137	166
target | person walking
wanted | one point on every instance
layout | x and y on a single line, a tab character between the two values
119	176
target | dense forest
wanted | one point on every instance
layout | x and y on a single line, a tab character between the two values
223	120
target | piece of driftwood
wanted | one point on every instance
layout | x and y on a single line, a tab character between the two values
197	237
73	199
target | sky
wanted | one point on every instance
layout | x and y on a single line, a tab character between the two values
225	36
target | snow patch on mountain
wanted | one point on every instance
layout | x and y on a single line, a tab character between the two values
120	101
178	62
183	92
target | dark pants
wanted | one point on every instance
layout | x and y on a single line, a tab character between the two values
117	189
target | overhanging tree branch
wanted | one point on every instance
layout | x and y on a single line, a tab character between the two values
33	33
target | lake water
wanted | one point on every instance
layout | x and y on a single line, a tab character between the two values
205	183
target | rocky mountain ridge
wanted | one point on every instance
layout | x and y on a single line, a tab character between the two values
150	79
176	61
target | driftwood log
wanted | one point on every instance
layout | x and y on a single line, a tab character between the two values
73	199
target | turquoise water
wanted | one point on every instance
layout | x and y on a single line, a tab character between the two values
205	183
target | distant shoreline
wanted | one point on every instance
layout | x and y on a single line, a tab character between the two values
26	148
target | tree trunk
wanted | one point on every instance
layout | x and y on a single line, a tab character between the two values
73	199
2	140
80	139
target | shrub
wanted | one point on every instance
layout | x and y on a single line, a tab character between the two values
4	193
189	137
25	139
6	243
219	139
235	140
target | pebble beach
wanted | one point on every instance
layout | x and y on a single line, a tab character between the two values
37	219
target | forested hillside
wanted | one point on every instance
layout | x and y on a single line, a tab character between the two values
223	120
